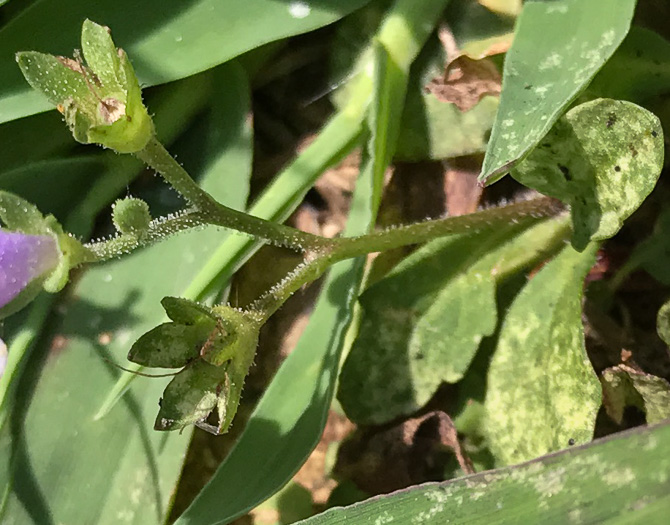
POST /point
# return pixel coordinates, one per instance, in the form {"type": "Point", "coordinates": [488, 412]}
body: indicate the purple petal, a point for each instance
{"type": "Point", "coordinates": [22, 259]}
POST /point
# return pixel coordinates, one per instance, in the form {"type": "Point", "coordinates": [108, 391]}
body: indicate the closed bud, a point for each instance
{"type": "Point", "coordinates": [131, 215]}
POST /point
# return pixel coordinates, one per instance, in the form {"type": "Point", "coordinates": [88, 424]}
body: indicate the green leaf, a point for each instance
{"type": "Point", "coordinates": [422, 324]}
{"type": "Point", "coordinates": [652, 254]}
{"type": "Point", "coordinates": [603, 159]}
{"type": "Point", "coordinates": [166, 43]}
{"type": "Point", "coordinates": [638, 70]}
{"type": "Point", "coordinates": [625, 386]}
{"type": "Point", "coordinates": [597, 483]}
{"type": "Point", "coordinates": [30, 140]}
{"type": "Point", "coordinates": [433, 129]}
{"type": "Point", "coordinates": [558, 48]}
{"type": "Point", "coordinates": [542, 391]}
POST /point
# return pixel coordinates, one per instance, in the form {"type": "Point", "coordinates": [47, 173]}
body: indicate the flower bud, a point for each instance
{"type": "Point", "coordinates": [131, 215]}
{"type": "Point", "coordinates": [215, 346]}
{"type": "Point", "coordinates": [25, 262]}
{"type": "Point", "coordinates": [35, 254]}
{"type": "Point", "coordinates": [100, 100]}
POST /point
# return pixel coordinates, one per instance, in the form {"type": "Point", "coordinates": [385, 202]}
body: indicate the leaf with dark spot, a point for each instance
{"type": "Point", "coordinates": [612, 169]}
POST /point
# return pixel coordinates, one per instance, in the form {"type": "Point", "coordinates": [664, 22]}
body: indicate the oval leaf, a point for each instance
{"type": "Point", "coordinates": [603, 158]}
{"type": "Point", "coordinates": [543, 393]}
{"type": "Point", "coordinates": [423, 323]}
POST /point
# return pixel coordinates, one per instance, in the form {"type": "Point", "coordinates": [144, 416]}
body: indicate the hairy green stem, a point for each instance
{"type": "Point", "coordinates": [158, 229]}
{"type": "Point", "coordinates": [157, 157]}
{"type": "Point", "coordinates": [318, 261]}
{"type": "Point", "coordinates": [384, 240]}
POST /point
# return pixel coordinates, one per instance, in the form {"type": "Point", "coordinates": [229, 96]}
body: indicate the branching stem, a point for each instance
{"type": "Point", "coordinates": [319, 253]}
{"type": "Point", "coordinates": [157, 157]}
{"type": "Point", "coordinates": [318, 261]}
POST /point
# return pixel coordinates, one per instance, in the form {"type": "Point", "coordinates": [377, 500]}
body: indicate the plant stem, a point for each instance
{"type": "Point", "coordinates": [320, 260]}
{"type": "Point", "coordinates": [424, 231]}
{"type": "Point", "coordinates": [157, 157]}
{"type": "Point", "coordinates": [158, 229]}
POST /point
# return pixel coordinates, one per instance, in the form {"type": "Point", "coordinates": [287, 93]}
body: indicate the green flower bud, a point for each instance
{"type": "Point", "coordinates": [100, 100]}
{"type": "Point", "coordinates": [131, 215]}
{"type": "Point", "coordinates": [216, 347]}
{"type": "Point", "coordinates": [35, 253]}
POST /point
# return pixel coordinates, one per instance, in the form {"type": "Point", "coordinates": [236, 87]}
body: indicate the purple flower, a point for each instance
{"type": "Point", "coordinates": [23, 259]}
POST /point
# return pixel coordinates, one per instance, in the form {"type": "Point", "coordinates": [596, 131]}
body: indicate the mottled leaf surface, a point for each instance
{"type": "Point", "coordinates": [542, 391]}
{"type": "Point", "coordinates": [596, 483]}
{"type": "Point", "coordinates": [625, 386]}
{"type": "Point", "coordinates": [423, 323]}
{"type": "Point", "coordinates": [558, 47]}
{"type": "Point", "coordinates": [603, 159]}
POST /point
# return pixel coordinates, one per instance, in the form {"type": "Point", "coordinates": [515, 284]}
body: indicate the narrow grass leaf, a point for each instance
{"type": "Point", "coordinates": [558, 48]}
{"type": "Point", "coordinates": [596, 483]}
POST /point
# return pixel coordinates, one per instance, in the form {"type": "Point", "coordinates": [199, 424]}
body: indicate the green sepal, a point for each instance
{"type": "Point", "coordinates": [18, 214]}
{"type": "Point", "coordinates": [101, 101]}
{"type": "Point", "coordinates": [73, 253]}
{"type": "Point", "coordinates": [194, 329]}
{"type": "Point", "coordinates": [101, 55]}
{"type": "Point", "coordinates": [169, 345]}
{"type": "Point", "coordinates": [242, 336]}
{"type": "Point", "coordinates": [51, 76]}
{"type": "Point", "coordinates": [185, 311]}
{"type": "Point", "coordinates": [192, 395]}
